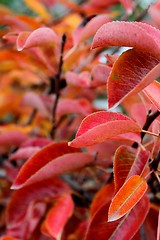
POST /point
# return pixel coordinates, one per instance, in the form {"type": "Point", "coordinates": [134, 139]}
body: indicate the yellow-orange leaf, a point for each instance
{"type": "Point", "coordinates": [38, 8]}
{"type": "Point", "coordinates": [127, 197]}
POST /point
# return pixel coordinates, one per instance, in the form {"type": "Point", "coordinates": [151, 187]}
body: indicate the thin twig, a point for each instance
{"type": "Point", "coordinates": [150, 133]}
{"type": "Point", "coordinates": [31, 117]}
{"type": "Point", "coordinates": [150, 118]}
{"type": "Point", "coordinates": [57, 80]}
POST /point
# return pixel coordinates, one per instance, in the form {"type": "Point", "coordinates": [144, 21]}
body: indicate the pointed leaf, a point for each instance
{"type": "Point", "coordinates": [124, 228]}
{"type": "Point", "coordinates": [133, 221]}
{"type": "Point", "coordinates": [102, 125]}
{"type": "Point", "coordinates": [39, 37]}
{"type": "Point", "coordinates": [130, 34]}
{"type": "Point", "coordinates": [131, 73]}
{"type": "Point", "coordinates": [58, 216]}
{"type": "Point", "coordinates": [84, 31]}
{"type": "Point", "coordinates": [153, 93]}
{"type": "Point", "coordinates": [128, 161]}
{"type": "Point", "coordinates": [126, 198]}
{"type": "Point", "coordinates": [54, 159]}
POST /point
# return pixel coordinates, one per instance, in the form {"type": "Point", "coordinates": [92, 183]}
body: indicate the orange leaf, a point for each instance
{"type": "Point", "coordinates": [6, 237]}
{"type": "Point", "coordinates": [126, 198]}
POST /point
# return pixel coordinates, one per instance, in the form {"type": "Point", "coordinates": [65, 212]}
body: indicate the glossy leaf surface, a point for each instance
{"type": "Point", "coordinates": [129, 34]}
{"type": "Point", "coordinates": [128, 161]}
{"type": "Point", "coordinates": [126, 198]}
{"type": "Point", "coordinates": [100, 126]}
{"type": "Point", "coordinates": [54, 159]}
{"type": "Point", "coordinates": [126, 227]}
{"type": "Point", "coordinates": [131, 73]}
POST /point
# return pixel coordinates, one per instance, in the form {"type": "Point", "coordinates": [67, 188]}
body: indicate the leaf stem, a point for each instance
{"type": "Point", "coordinates": [150, 133]}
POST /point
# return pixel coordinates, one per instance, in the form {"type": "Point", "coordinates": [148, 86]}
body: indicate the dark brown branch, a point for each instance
{"type": "Point", "coordinates": [57, 80]}
{"type": "Point", "coordinates": [31, 117]}
{"type": "Point", "coordinates": [150, 118]}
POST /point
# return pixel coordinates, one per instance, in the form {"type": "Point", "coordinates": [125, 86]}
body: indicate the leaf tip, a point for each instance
{"type": "Point", "coordinates": [114, 217]}
{"type": "Point", "coordinates": [15, 186]}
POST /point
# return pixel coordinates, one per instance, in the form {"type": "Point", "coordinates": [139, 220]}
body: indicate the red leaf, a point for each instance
{"type": "Point", "coordinates": [58, 216]}
{"type": "Point", "coordinates": [102, 125]}
{"type": "Point", "coordinates": [54, 159]}
{"type": "Point", "coordinates": [130, 34]}
{"type": "Point", "coordinates": [154, 12]}
{"type": "Point", "coordinates": [150, 226]}
{"type": "Point", "coordinates": [33, 100]}
{"type": "Point", "coordinates": [99, 74]}
{"type": "Point", "coordinates": [76, 106]}
{"type": "Point", "coordinates": [126, 198]}
{"type": "Point", "coordinates": [124, 228]}
{"type": "Point", "coordinates": [84, 32]}
{"type": "Point", "coordinates": [23, 200]}
{"type": "Point", "coordinates": [29, 222]}
{"type": "Point", "coordinates": [81, 80]}
{"type": "Point", "coordinates": [39, 37]}
{"type": "Point", "coordinates": [24, 153]}
{"type": "Point", "coordinates": [131, 73]}
{"type": "Point", "coordinates": [104, 195]}
{"type": "Point", "coordinates": [132, 222]}
{"type": "Point", "coordinates": [12, 138]}
{"type": "Point", "coordinates": [153, 93]}
{"type": "Point", "coordinates": [128, 161]}
{"type": "Point", "coordinates": [36, 142]}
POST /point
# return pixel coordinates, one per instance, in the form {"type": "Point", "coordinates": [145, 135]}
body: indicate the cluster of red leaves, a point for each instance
{"type": "Point", "coordinates": [104, 183]}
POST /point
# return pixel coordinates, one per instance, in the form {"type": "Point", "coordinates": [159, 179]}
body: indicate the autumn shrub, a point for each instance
{"type": "Point", "coordinates": [79, 120]}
